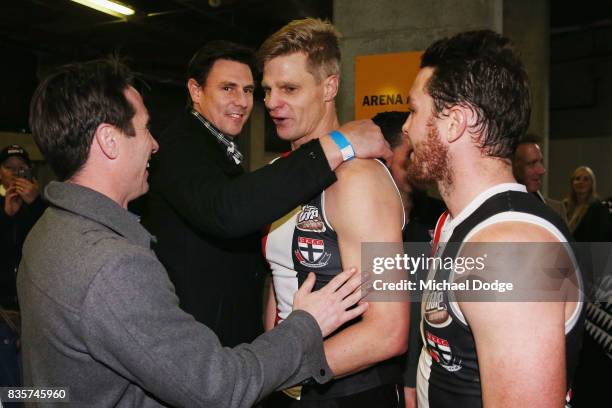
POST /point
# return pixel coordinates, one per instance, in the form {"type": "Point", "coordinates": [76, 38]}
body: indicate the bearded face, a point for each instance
{"type": "Point", "coordinates": [429, 158]}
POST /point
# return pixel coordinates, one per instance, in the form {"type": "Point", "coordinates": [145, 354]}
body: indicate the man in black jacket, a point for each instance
{"type": "Point", "coordinates": [206, 211]}
{"type": "Point", "coordinates": [528, 168]}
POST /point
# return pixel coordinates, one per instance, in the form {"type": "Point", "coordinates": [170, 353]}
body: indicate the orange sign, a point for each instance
{"type": "Point", "coordinates": [382, 82]}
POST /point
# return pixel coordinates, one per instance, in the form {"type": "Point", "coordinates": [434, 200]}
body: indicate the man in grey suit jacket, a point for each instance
{"type": "Point", "coordinates": [100, 315]}
{"type": "Point", "coordinates": [528, 168]}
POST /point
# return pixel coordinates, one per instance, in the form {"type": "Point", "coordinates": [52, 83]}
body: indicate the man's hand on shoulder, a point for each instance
{"type": "Point", "coordinates": [366, 139]}
{"type": "Point", "coordinates": [329, 305]}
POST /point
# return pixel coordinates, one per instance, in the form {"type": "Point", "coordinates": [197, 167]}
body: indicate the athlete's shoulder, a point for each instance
{"type": "Point", "coordinates": [362, 170]}
{"type": "Point", "coordinates": [363, 180]}
{"type": "Point", "coordinates": [363, 187]}
{"type": "Point", "coordinates": [358, 164]}
{"type": "Point", "coordinates": [514, 231]}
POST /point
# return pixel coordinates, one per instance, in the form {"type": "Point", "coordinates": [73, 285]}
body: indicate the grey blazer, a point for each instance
{"type": "Point", "coordinates": [100, 317]}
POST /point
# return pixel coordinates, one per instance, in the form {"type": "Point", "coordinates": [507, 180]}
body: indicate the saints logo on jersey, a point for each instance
{"type": "Point", "coordinates": [311, 252]}
{"type": "Point", "coordinates": [441, 352]}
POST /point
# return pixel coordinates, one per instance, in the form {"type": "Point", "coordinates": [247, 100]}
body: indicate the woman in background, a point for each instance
{"type": "Point", "coordinates": [588, 218]}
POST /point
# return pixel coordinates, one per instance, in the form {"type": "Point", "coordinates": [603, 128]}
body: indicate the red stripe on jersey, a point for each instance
{"type": "Point", "coordinates": [439, 225]}
{"type": "Point", "coordinates": [437, 340]}
{"type": "Point", "coordinates": [313, 241]}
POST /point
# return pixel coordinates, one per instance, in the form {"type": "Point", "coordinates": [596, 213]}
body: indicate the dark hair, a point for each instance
{"type": "Point", "coordinates": [316, 38]}
{"type": "Point", "coordinates": [390, 124]}
{"type": "Point", "coordinates": [480, 70]}
{"type": "Point", "coordinates": [70, 104]}
{"type": "Point", "coordinates": [204, 58]}
{"type": "Point", "coordinates": [529, 138]}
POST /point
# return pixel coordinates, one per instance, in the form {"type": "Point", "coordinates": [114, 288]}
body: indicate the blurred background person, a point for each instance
{"type": "Point", "coordinates": [587, 216]}
{"type": "Point", "coordinates": [528, 168]}
{"type": "Point", "coordinates": [20, 208]}
{"type": "Point", "coordinates": [422, 213]}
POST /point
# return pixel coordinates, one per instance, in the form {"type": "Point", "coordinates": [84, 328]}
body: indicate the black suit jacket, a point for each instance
{"type": "Point", "coordinates": [207, 212]}
{"type": "Point", "coordinates": [13, 232]}
{"type": "Point", "coordinates": [595, 225]}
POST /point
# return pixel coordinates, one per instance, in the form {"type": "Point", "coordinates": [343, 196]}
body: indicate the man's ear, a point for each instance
{"type": "Point", "coordinates": [331, 84]}
{"type": "Point", "coordinates": [195, 90]}
{"type": "Point", "coordinates": [457, 122]}
{"type": "Point", "coordinates": [106, 138]}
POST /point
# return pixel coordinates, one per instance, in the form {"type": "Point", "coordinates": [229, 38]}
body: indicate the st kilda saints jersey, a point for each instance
{"type": "Point", "coordinates": [299, 243]}
{"type": "Point", "coordinates": [448, 373]}
{"type": "Point", "coordinates": [303, 241]}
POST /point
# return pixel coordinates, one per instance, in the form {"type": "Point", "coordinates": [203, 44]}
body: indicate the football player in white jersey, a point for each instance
{"type": "Point", "coordinates": [301, 76]}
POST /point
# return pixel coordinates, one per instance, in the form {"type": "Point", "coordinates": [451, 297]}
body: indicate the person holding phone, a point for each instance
{"type": "Point", "coordinates": [21, 206]}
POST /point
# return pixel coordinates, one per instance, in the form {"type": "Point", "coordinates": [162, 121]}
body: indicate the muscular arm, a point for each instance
{"type": "Point", "coordinates": [521, 345]}
{"type": "Point", "coordinates": [363, 206]}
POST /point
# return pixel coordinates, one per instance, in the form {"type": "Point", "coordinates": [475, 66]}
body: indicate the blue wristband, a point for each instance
{"type": "Point", "coordinates": [346, 148]}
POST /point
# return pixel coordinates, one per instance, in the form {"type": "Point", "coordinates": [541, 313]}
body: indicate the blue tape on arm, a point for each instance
{"type": "Point", "coordinates": [343, 144]}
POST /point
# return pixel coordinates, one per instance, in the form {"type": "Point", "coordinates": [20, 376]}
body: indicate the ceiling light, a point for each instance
{"type": "Point", "coordinates": [108, 7]}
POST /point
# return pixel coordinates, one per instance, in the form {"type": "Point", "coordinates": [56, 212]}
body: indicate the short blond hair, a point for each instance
{"type": "Point", "coordinates": [314, 37]}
